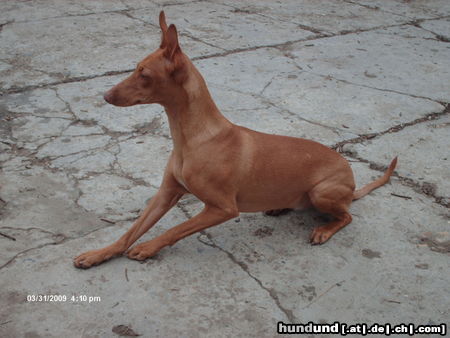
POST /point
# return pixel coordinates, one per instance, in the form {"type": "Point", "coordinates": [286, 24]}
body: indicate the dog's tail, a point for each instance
{"type": "Point", "coordinates": [377, 183]}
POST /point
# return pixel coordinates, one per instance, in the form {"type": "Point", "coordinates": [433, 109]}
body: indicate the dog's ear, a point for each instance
{"type": "Point", "coordinates": [172, 52]}
{"type": "Point", "coordinates": [163, 26]}
{"type": "Point", "coordinates": [171, 43]}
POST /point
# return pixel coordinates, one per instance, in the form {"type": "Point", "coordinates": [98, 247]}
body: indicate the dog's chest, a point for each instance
{"type": "Point", "coordinates": [177, 172]}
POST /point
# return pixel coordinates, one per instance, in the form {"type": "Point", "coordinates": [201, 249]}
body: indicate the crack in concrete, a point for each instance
{"type": "Point", "coordinates": [302, 26]}
{"type": "Point", "coordinates": [5, 23]}
{"type": "Point", "coordinates": [57, 242]}
{"type": "Point", "coordinates": [31, 229]}
{"type": "Point", "coordinates": [438, 37]}
{"type": "Point", "coordinates": [271, 291]}
{"type": "Point", "coordinates": [268, 103]}
{"type": "Point", "coordinates": [328, 76]}
{"type": "Point", "coordinates": [363, 137]}
{"type": "Point", "coordinates": [62, 239]}
{"type": "Point", "coordinates": [267, 85]}
{"type": "Point", "coordinates": [15, 90]}
{"type": "Point", "coordinates": [66, 103]}
{"type": "Point", "coordinates": [335, 130]}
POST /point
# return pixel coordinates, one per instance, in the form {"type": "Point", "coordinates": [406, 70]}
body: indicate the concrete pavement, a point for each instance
{"type": "Point", "coordinates": [370, 78]}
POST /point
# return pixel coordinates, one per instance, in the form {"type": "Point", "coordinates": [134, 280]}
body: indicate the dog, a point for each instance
{"type": "Point", "coordinates": [231, 169]}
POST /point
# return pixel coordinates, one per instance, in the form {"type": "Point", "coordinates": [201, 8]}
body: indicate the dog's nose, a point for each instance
{"type": "Point", "coordinates": [108, 97]}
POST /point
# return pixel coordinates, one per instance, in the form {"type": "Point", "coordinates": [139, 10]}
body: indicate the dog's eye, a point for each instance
{"type": "Point", "coordinates": [145, 73]}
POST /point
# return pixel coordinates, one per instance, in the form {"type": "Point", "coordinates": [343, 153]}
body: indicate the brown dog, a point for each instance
{"type": "Point", "coordinates": [230, 168]}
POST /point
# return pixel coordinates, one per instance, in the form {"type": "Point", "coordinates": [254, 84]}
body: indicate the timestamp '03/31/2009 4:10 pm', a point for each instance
{"type": "Point", "coordinates": [36, 298]}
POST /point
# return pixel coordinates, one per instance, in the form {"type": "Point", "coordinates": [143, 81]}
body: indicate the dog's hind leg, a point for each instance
{"type": "Point", "coordinates": [333, 199]}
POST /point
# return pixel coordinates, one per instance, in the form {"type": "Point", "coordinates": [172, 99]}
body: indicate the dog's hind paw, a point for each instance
{"type": "Point", "coordinates": [320, 235]}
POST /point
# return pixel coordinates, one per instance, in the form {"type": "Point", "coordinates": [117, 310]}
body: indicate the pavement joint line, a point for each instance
{"type": "Point", "coordinates": [271, 291]}
{"type": "Point", "coordinates": [394, 129]}
{"type": "Point", "coordinates": [15, 90]}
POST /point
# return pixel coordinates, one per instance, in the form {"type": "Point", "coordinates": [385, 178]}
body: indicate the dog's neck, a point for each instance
{"type": "Point", "coordinates": [193, 116]}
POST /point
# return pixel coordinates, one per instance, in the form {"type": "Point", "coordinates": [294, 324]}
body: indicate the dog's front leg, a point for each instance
{"type": "Point", "coordinates": [210, 216]}
{"type": "Point", "coordinates": [162, 202]}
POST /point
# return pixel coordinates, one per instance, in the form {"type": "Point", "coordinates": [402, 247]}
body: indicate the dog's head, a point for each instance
{"type": "Point", "coordinates": [157, 78]}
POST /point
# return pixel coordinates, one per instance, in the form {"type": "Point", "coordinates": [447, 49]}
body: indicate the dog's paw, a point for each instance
{"type": "Point", "coordinates": [143, 251]}
{"type": "Point", "coordinates": [320, 235]}
{"type": "Point", "coordinates": [91, 258]}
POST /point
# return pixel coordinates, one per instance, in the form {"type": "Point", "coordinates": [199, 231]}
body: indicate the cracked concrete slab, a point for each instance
{"type": "Point", "coordinates": [403, 59]}
{"type": "Point", "coordinates": [363, 109]}
{"type": "Point", "coordinates": [369, 78]}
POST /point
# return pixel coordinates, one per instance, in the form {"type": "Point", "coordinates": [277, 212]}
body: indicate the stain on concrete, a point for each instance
{"type": "Point", "coordinates": [368, 253]}
{"type": "Point", "coordinates": [438, 241]}
{"type": "Point", "coordinates": [265, 231]}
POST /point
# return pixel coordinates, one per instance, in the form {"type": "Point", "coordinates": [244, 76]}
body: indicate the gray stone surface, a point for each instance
{"type": "Point", "coordinates": [368, 77]}
{"type": "Point", "coordinates": [399, 59]}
